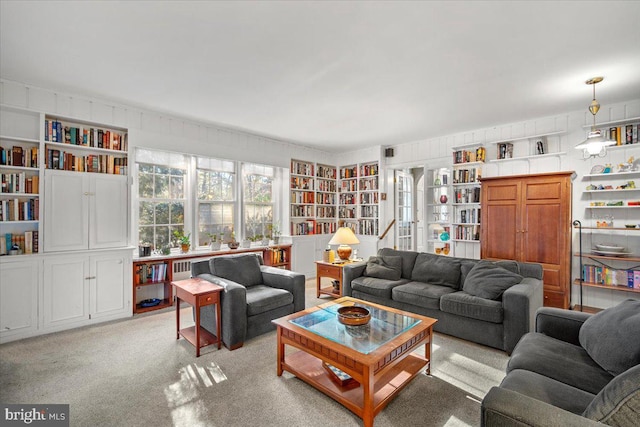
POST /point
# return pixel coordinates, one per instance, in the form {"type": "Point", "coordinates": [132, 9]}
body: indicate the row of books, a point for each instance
{"type": "Point", "coordinates": [19, 210]}
{"type": "Point", "coordinates": [98, 163]}
{"type": "Point", "coordinates": [325, 199]}
{"type": "Point", "coordinates": [347, 199]}
{"type": "Point", "coordinates": [300, 183]}
{"type": "Point", "coordinates": [18, 156]}
{"type": "Point", "coordinates": [326, 227]}
{"type": "Point", "coordinates": [347, 212]}
{"type": "Point", "coordinates": [467, 232]}
{"type": "Point", "coordinates": [56, 131]}
{"type": "Point", "coordinates": [611, 277]}
{"type": "Point", "coordinates": [369, 211]}
{"type": "Point", "coordinates": [624, 135]}
{"type": "Point", "coordinates": [346, 173]}
{"type": "Point", "coordinates": [329, 186]}
{"type": "Point", "coordinates": [302, 196]}
{"type": "Point", "coordinates": [150, 273]}
{"type": "Point", "coordinates": [466, 195]}
{"type": "Point", "coordinates": [326, 211]}
{"type": "Point", "coordinates": [303, 228]}
{"type": "Point", "coordinates": [505, 150]}
{"type": "Point", "coordinates": [25, 243]}
{"type": "Point", "coordinates": [368, 227]}
{"type": "Point", "coordinates": [19, 183]}
{"type": "Point", "coordinates": [301, 168]}
{"type": "Point", "coordinates": [367, 184]}
{"type": "Point", "coordinates": [349, 186]}
{"type": "Point", "coordinates": [468, 216]}
{"type": "Point", "coordinates": [368, 198]}
{"type": "Point", "coordinates": [466, 176]}
{"type": "Point", "coordinates": [278, 256]}
{"type": "Point", "coordinates": [366, 170]}
{"type": "Point", "coordinates": [467, 156]}
{"type": "Point", "coordinates": [326, 172]}
{"type": "Point", "coordinates": [301, 211]}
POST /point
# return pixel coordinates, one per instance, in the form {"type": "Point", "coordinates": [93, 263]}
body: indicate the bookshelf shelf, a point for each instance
{"type": "Point", "coordinates": [610, 287]}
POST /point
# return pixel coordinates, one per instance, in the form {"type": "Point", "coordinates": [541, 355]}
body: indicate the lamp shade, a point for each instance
{"type": "Point", "coordinates": [344, 236]}
{"type": "Point", "coordinates": [594, 143]}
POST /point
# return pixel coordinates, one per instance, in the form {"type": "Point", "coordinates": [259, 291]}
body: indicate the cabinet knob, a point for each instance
{"type": "Point", "coordinates": [90, 277]}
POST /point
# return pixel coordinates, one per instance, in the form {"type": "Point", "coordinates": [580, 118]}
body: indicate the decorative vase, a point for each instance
{"type": "Point", "coordinates": [443, 198]}
{"type": "Point", "coordinates": [215, 246]}
{"type": "Point", "coordinates": [233, 244]}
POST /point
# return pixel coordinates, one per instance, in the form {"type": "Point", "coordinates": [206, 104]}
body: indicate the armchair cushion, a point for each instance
{"type": "Point", "coordinates": [262, 298]}
{"type": "Point", "coordinates": [618, 403]}
{"type": "Point", "coordinates": [244, 270]}
{"type": "Point", "coordinates": [612, 337]}
{"type": "Point", "coordinates": [488, 280]}
{"type": "Point", "coordinates": [384, 267]}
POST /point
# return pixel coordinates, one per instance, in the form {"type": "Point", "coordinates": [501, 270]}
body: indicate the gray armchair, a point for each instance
{"type": "Point", "coordinates": [254, 294]}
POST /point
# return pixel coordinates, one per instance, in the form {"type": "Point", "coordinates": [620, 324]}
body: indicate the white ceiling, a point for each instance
{"type": "Point", "coordinates": [335, 74]}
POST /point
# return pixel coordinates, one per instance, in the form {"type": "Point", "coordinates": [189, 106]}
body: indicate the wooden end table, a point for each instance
{"type": "Point", "coordinates": [333, 271]}
{"type": "Point", "coordinates": [198, 293]}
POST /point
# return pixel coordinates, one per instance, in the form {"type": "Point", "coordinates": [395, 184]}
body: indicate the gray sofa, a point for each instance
{"type": "Point", "coordinates": [254, 294]}
{"type": "Point", "coordinates": [493, 304]}
{"type": "Point", "coordinates": [576, 369]}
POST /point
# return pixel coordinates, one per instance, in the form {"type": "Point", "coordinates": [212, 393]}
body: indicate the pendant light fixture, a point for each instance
{"type": "Point", "coordinates": [595, 144]}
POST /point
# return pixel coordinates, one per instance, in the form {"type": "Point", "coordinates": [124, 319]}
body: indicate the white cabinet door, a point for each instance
{"type": "Point", "coordinates": [110, 294]}
{"type": "Point", "coordinates": [66, 211]}
{"type": "Point", "coordinates": [85, 211]}
{"type": "Point", "coordinates": [109, 222]}
{"type": "Point", "coordinates": [18, 298]}
{"type": "Point", "coordinates": [66, 290]}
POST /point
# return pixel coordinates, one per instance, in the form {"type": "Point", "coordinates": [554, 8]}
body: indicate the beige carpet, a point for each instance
{"type": "Point", "coordinates": [134, 372]}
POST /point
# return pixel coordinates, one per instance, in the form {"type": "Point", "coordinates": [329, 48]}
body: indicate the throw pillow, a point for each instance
{"type": "Point", "coordinates": [618, 403]}
{"type": "Point", "coordinates": [612, 337]}
{"type": "Point", "coordinates": [488, 280]}
{"type": "Point", "coordinates": [437, 270]}
{"type": "Point", "coordinates": [244, 269]}
{"type": "Point", "coordinates": [384, 267]}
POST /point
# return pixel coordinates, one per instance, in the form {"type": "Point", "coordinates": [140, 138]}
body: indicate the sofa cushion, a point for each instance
{"type": "Point", "coordinates": [421, 294]}
{"type": "Point", "coordinates": [548, 390]}
{"type": "Point", "coordinates": [384, 267]}
{"type": "Point", "coordinates": [560, 360]}
{"type": "Point", "coordinates": [612, 336]}
{"type": "Point", "coordinates": [618, 404]}
{"type": "Point", "coordinates": [512, 266]}
{"type": "Point", "coordinates": [261, 299]}
{"type": "Point", "coordinates": [244, 270]}
{"type": "Point", "coordinates": [488, 280]}
{"type": "Point", "coordinates": [408, 259]}
{"type": "Point", "coordinates": [463, 304]}
{"type": "Point", "coordinates": [465, 267]}
{"type": "Point", "coordinates": [437, 270]}
{"type": "Point", "coordinates": [374, 286]}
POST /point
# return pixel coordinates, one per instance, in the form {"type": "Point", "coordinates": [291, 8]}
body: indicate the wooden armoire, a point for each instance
{"type": "Point", "coordinates": [527, 218]}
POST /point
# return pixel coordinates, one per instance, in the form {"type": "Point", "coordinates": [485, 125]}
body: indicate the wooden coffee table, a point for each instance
{"type": "Point", "coordinates": [380, 356]}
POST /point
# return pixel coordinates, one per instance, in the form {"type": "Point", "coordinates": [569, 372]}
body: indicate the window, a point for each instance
{"type": "Point", "coordinates": [258, 200]}
{"type": "Point", "coordinates": [215, 193]}
{"type": "Point", "coordinates": [161, 197]}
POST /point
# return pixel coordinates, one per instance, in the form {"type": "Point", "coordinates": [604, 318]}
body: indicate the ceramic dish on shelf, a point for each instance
{"type": "Point", "coordinates": [630, 225]}
{"type": "Point", "coordinates": [609, 253]}
{"type": "Point", "coordinates": [597, 169]}
{"type": "Point", "coordinates": [608, 247]}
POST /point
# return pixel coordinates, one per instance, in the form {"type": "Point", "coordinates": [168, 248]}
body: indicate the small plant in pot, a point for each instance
{"type": "Point", "coordinates": [233, 243]}
{"type": "Point", "coordinates": [275, 232]}
{"type": "Point", "coordinates": [184, 240]}
{"type": "Point", "coordinates": [215, 243]}
{"type": "Point", "coordinates": [264, 240]}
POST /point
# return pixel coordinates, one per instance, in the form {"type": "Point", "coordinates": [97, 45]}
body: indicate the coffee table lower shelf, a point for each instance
{"type": "Point", "coordinates": [387, 384]}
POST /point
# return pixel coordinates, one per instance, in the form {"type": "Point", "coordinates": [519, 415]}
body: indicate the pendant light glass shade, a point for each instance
{"type": "Point", "coordinates": [595, 144]}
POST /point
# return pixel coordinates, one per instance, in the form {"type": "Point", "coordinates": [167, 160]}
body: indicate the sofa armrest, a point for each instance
{"type": "Point", "coordinates": [287, 280]}
{"type": "Point", "coordinates": [503, 407]}
{"type": "Point", "coordinates": [520, 303]}
{"type": "Point", "coordinates": [350, 272]}
{"type": "Point", "coordinates": [233, 302]}
{"type": "Point", "coordinates": [560, 324]}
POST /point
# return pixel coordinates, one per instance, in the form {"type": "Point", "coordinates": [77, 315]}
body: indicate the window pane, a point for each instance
{"type": "Point", "coordinates": [162, 237]}
{"type": "Point", "coordinates": [177, 213]}
{"type": "Point", "coordinates": [145, 235]}
{"type": "Point", "coordinates": [145, 215]}
{"type": "Point", "coordinates": [161, 187]}
{"type": "Point", "coordinates": [177, 187]}
{"type": "Point", "coordinates": [162, 213]}
{"type": "Point", "coordinates": [145, 185]}
{"type": "Point", "coordinates": [163, 170]}
{"type": "Point", "coordinates": [144, 168]}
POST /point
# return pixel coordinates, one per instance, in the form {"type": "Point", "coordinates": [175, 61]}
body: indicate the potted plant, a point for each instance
{"type": "Point", "coordinates": [274, 227]}
{"type": "Point", "coordinates": [214, 245]}
{"type": "Point", "coordinates": [246, 242]}
{"type": "Point", "coordinates": [184, 240]}
{"type": "Point", "coordinates": [264, 240]}
{"type": "Point", "coordinates": [232, 243]}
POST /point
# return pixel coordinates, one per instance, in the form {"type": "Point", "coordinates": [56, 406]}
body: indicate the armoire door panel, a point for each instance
{"type": "Point", "coordinates": [544, 240]}
{"type": "Point", "coordinates": [502, 192]}
{"type": "Point", "coordinates": [500, 239]}
{"type": "Point", "coordinates": [543, 191]}
{"type": "Point", "coordinates": [552, 278]}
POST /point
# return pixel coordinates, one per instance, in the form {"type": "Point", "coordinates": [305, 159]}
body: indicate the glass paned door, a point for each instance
{"type": "Point", "coordinates": [404, 211]}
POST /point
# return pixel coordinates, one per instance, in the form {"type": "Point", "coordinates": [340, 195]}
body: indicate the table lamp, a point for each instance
{"type": "Point", "coordinates": [344, 237]}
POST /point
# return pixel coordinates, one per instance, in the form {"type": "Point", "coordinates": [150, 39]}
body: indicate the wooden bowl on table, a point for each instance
{"type": "Point", "coordinates": [353, 316]}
